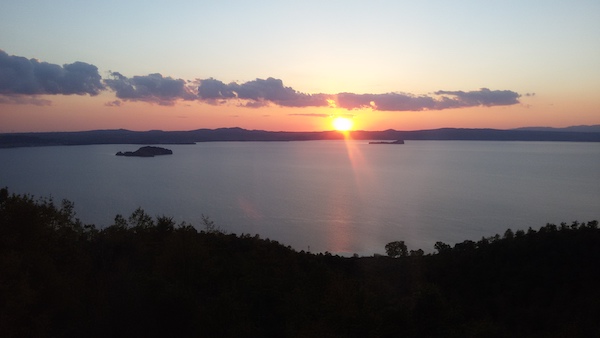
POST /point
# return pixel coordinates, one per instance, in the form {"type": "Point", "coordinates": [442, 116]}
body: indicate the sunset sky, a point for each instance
{"type": "Point", "coordinates": [295, 66]}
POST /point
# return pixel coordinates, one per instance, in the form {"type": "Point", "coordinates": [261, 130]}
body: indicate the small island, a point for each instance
{"type": "Point", "coordinates": [147, 151]}
{"type": "Point", "coordinates": [385, 142]}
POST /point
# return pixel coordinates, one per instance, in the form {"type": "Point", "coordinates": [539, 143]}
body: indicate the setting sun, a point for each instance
{"type": "Point", "coordinates": [342, 123]}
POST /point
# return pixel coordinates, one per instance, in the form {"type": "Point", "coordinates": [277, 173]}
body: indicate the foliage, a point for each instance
{"type": "Point", "coordinates": [441, 247]}
{"type": "Point", "coordinates": [396, 249]}
{"type": "Point", "coordinates": [147, 276]}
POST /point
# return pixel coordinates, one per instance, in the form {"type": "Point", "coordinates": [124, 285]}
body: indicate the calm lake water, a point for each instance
{"type": "Point", "coordinates": [336, 196]}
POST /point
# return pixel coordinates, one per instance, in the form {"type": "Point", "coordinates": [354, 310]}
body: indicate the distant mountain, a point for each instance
{"type": "Point", "coordinates": [581, 129]}
{"type": "Point", "coordinates": [122, 136]}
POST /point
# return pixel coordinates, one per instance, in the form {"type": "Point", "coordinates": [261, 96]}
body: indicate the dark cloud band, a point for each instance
{"type": "Point", "coordinates": [152, 88]}
{"type": "Point", "coordinates": [482, 97]}
{"type": "Point", "coordinates": [262, 92]}
{"type": "Point", "coordinates": [21, 76]}
{"type": "Point", "coordinates": [266, 91]}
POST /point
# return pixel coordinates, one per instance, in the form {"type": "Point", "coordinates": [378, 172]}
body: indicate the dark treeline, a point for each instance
{"type": "Point", "coordinates": [147, 276]}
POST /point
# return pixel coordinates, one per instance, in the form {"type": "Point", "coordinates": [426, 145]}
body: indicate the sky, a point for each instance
{"type": "Point", "coordinates": [297, 65]}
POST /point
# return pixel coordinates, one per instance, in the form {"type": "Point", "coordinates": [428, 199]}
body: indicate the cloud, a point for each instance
{"type": "Point", "coordinates": [115, 103]}
{"type": "Point", "coordinates": [442, 100]}
{"type": "Point", "coordinates": [211, 89]}
{"type": "Point", "coordinates": [22, 76]}
{"type": "Point", "coordinates": [385, 102]}
{"type": "Point", "coordinates": [310, 115]}
{"type": "Point", "coordinates": [259, 93]}
{"type": "Point", "coordinates": [152, 88]}
{"type": "Point", "coordinates": [482, 97]}
{"type": "Point", "coordinates": [20, 99]}
{"type": "Point", "coordinates": [255, 104]}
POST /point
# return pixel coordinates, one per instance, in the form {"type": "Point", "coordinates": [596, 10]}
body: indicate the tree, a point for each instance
{"type": "Point", "coordinates": [140, 220]}
{"type": "Point", "coordinates": [466, 246]}
{"type": "Point", "coordinates": [165, 224]}
{"type": "Point", "coordinates": [442, 247]}
{"type": "Point", "coordinates": [210, 227]}
{"type": "Point", "coordinates": [396, 249]}
{"type": "Point", "coordinates": [417, 253]}
{"type": "Point", "coordinates": [509, 234]}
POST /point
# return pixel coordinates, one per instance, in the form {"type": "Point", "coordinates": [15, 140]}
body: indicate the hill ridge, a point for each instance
{"type": "Point", "coordinates": [123, 136]}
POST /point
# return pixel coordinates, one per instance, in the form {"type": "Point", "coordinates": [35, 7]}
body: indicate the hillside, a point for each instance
{"type": "Point", "coordinates": [145, 276]}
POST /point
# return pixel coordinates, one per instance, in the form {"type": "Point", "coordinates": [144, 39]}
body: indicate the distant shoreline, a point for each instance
{"type": "Point", "coordinates": [122, 136]}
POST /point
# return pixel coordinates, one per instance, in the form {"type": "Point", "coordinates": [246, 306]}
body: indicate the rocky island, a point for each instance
{"type": "Point", "coordinates": [146, 152]}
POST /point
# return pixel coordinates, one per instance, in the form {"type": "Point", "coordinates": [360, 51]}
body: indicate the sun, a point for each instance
{"type": "Point", "coordinates": [342, 123]}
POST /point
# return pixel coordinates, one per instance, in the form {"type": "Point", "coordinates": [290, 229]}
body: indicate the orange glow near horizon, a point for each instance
{"type": "Point", "coordinates": [79, 113]}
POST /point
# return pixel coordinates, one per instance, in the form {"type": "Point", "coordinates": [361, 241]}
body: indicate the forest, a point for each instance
{"type": "Point", "coordinates": [147, 276]}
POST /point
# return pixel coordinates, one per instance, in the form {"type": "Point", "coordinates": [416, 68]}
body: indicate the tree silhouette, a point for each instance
{"type": "Point", "coordinates": [147, 276]}
{"type": "Point", "coordinates": [442, 247]}
{"type": "Point", "coordinates": [396, 249]}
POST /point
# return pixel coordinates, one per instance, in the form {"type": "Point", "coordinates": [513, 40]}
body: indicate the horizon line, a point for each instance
{"type": "Point", "coordinates": [531, 128]}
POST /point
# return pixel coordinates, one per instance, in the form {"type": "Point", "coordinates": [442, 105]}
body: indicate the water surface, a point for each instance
{"type": "Point", "coordinates": [336, 196]}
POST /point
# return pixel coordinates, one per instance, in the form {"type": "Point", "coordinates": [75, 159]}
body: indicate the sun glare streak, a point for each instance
{"type": "Point", "coordinates": [360, 167]}
{"type": "Point", "coordinates": [340, 235]}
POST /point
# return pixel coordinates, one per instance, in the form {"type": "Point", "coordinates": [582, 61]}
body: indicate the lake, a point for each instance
{"type": "Point", "coordinates": [339, 196]}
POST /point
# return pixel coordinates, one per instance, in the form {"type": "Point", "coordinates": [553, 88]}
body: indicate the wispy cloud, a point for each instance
{"type": "Point", "coordinates": [310, 115]}
{"type": "Point", "coordinates": [322, 115]}
{"type": "Point", "coordinates": [21, 77]}
{"type": "Point", "coordinates": [20, 99]}
{"type": "Point", "coordinates": [115, 103]}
